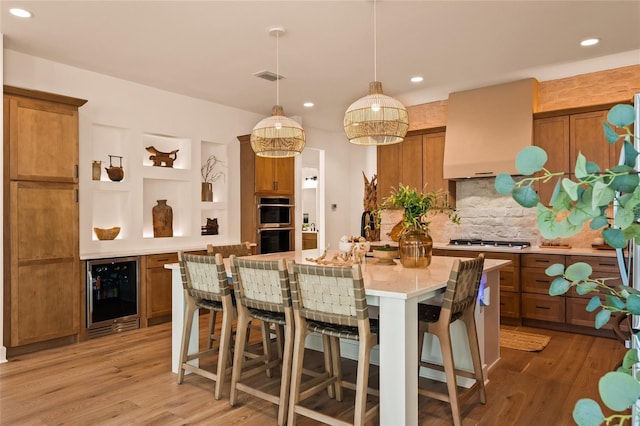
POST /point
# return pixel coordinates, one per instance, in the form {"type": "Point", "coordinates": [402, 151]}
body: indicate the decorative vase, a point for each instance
{"type": "Point", "coordinates": [415, 247]}
{"type": "Point", "coordinates": [96, 170]}
{"type": "Point", "coordinates": [207, 191]}
{"type": "Point", "coordinates": [162, 219]}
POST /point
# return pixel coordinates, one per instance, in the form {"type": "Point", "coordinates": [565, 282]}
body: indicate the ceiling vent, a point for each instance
{"type": "Point", "coordinates": [268, 75]}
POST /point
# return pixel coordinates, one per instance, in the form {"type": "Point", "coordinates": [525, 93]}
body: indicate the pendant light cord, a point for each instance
{"type": "Point", "coordinates": [375, 44]}
{"type": "Point", "coordinates": [278, 68]}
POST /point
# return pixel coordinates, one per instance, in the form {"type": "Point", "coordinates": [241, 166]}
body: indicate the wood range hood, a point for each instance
{"type": "Point", "coordinates": [487, 127]}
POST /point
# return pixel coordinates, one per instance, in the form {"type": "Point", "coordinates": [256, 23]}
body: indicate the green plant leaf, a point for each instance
{"type": "Point", "coordinates": [602, 318]}
{"type": "Point", "coordinates": [621, 115]}
{"type": "Point", "coordinates": [578, 271]}
{"type": "Point", "coordinates": [602, 194]}
{"type": "Point", "coordinates": [630, 154]}
{"type": "Point", "coordinates": [610, 134]}
{"type": "Point", "coordinates": [625, 183]}
{"type": "Point", "coordinates": [526, 196]}
{"type": "Point", "coordinates": [618, 391]}
{"type": "Point", "coordinates": [530, 160]}
{"type": "Point", "coordinates": [504, 183]}
{"type": "Point", "coordinates": [599, 222]}
{"type": "Point", "coordinates": [586, 288]}
{"type": "Point", "coordinates": [624, 217]}
{"type": "Point", "coordinates": [581, 166]}
{"type": "Point", "coordinates": [632, 231]}
{"type": "Point", "coordinates": [614, 301]}
{"type": "Point", "coordinates": [630, 358]}
{"type": "Point", "coordinates": [560, 200]}
{"type": "Point", "coordinates": [633, 304]}
{"type": "Point", "coordinates": [587, 412]}
{"type": "Point", "coordinates": [592, 167]}
{"type": "Point", "coordinates": [593, 304]}
{"type": "Point", "coordinates": [571, 188]}
{"type": "Point", "coordinates": [555, 269]}
{"type": "Point", "coordinates": [614, 237]}
{"type": "Point", "coordinates": [581, 213]}
{"type": "Point", "coordinates": [559, 286]}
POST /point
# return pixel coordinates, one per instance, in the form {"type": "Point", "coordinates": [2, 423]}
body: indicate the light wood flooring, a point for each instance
{"type": "Point", "coordinates": [126, 379]}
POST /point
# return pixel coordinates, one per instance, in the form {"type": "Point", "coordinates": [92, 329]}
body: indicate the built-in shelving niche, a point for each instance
{"type": "Point", "coordinates": [217, 207]}
{"type": "Point", "coordinates": [178, 195]}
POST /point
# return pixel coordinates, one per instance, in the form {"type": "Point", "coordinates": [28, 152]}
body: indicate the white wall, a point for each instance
{"type": "Point", "coordinates": [3, 349]}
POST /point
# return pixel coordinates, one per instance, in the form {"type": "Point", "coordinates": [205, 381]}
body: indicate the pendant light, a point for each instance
{"type": "Point", "coordinates": [278, 135]}
{"type": "Point", "coordinates": [376, 119]}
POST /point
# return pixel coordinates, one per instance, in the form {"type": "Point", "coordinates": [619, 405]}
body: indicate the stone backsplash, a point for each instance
{"type": "Point", "coordinates": [487, 215]}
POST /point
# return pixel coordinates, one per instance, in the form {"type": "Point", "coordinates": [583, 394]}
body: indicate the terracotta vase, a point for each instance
{"type": "Point", "coordinates": [415, 247]}
{"type": "Point", "coordinates": [207, 191]}
{"type": "Point", "coordinates": [162, 219]}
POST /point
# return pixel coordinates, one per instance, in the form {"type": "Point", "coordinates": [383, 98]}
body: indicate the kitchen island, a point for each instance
{"type": "Point", "coordinates": [397, 291]}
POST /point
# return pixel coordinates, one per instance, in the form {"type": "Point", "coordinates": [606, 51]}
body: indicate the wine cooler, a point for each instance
{"type": "Point", "coordinates": [113, 292]}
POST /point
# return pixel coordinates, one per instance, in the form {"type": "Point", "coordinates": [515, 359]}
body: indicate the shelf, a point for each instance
{"type": "Point", "coordinates": [166, 173]}
{"type": "Point", "coordinates": [178, 195]}
{"type": "Point", "coordinates": [109, 140]}
{"type": "Point", "coordinates": [221, 169]}
{"type": "Point", "coordinates": [111, 208]}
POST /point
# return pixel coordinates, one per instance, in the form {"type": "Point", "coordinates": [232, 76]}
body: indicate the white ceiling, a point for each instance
{"type": "Point", "coordinates": [210, 49]}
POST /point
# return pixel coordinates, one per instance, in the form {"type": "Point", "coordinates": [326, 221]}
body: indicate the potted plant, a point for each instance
{"type": "Point", "coordinates": [589, 198]}
{"type": "Point", "coordinates": [209, 176]}
{"type": "Point", "coordinates": [415, 244]}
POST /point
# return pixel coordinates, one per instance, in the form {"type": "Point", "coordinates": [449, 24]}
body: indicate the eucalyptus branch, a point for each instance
{"type": "Point", "coordinates": [618, 417]}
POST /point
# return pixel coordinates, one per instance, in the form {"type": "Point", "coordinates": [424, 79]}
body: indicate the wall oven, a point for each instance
{"type": "Point", "coordinates": [274, 224]}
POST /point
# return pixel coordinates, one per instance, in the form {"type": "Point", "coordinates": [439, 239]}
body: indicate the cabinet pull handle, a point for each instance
{"type": "Point", "coordinates": [77, 196]}
{"type": "Point", "coordinates": [606, 264]}
{"type": "Point", "coordinates": [542, 307]}
{"type": "Point", "coordinates": [163, 260]}
{"type": "Point", "coordinates": [77, 171]}
{"type": "Point", "coordinates": [541, 261]}
{"type": "Point", "coordinates": [542, 281]}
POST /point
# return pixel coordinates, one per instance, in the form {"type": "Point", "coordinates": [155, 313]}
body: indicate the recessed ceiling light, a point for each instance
{"type": "Point", "coordinates": [590, 42]}
{"type": "Point", "coordinates": [416, 79]}
{"type": "Point", "coordinates": [308, 104]}
{"type": "Point", "coordinates": [20, 13]}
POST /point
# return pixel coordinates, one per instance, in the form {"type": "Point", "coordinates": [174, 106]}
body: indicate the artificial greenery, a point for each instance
{"type": "Point", "coordinates": [419, 206]}
{"type": "Point", "coordinates": [589, 198]}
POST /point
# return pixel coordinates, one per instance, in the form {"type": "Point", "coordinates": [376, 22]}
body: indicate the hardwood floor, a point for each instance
{"type": "Point", "coordinates": [126, 379]}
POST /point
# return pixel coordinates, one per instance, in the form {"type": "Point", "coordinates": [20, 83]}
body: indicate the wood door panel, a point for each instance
{"type": "Point", "coordinates": [587, 137]}
{"type": "Point", "coordinates": [158, 292]}
{"type": "Point", "coordinates": [552, 135]}
{"type": "Point", "coordinates": [411, 162]}
{"type": "Point", "coordinates": [389, 159]}
{"type": "Point", "coordinates": [433, 147]}
{"type": "Point", "coordinates": [41, 213]}
{"type": "Point", "coordinates": [283, 177]}
{"type": "Point", "coordinates": [265, 171]}
{"type": "Point", "coordinates": [44, 302]}
{"type": "Point", "coordinates": [43, 141]}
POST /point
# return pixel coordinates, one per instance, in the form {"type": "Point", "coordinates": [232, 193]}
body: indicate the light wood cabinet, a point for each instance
{"type": "Point", "coordinates": [274, 175]}
{"type": "Point", "coordinates": [309, 240]}
{"type": "Point", "coordinates": [552, 135]}
{"type": "Point", "coordinates": [42, 266]}
{"type": "Point", "coordinates": [158, 287]}
{"type": "Point", "coordinates": [537, 304]}
{"type": "Point", "coordinates": [587, 137]}
{"type": "Point", "coordinates": [416, 162]}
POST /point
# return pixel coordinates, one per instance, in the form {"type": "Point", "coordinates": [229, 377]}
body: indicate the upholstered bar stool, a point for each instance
{"type": "Point", "coordinates": [458, 304]}
{"type": "Point", "coordinates": [206, 286]}
{"type": "Point", "coordinates": [330, 301]}
{"type": "Point", "coordinates": [262, 292]}
{"type": "Point", "coordinates": [241, 249]}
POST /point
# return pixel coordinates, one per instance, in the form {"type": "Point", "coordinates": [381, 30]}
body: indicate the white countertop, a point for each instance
{"type": "Point", "coordinates": [574, 251]}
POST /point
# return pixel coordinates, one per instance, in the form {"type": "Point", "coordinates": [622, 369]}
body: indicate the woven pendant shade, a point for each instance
{"type": "Point", "coordinates": [277, 136]}
{"type": "Point", "coordinates": [376, 119]}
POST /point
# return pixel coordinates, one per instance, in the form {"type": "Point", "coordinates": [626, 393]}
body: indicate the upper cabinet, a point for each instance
{"type": "Point", "coordinates": [416, 162]}
{"type": "Point", "coordinates": [39, 132]}
{"type": "Point", "coordinates": [274, 175]}
{"type": "Point", "coordinates": [564, 136]}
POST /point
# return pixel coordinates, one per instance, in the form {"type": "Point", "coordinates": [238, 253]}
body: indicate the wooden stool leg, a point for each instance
{"type": "Point", "coordinates": [449, 369]}
{"type": "Point", "coordinates": [474, 347]}
{"type": "Point", "coordinates": [335, 366]}
{"type": "Point", "coordinates": [296, 371]}
{"type": "Point", "coordinates": [285, 384]}
{"type": "Point", "coordinates": [223, 352]}
{"type": "Point", "coordinates": [238, 355]}
{"type": "Point", "coordinates": [212, 328]}
{"type": "Point", "coordinates": [190, 309]}
{"type": "Point", "coordinates": [362, 383]}
{"type": "Point", "coordinates": [266, 344]}
{"type": "Point", "coordinates": [328, 368]}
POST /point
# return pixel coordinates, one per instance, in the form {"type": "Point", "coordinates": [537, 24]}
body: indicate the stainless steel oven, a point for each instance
{"type": "Point", "coordinates": [275, 224]}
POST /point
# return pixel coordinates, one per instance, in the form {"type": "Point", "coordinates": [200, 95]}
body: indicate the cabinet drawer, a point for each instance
{"type": "Point", "coordinates": [541, 260]}
{"type": "Point", "coordinates": [508, 280]}
{"type": "Point", "coordinates": [534, 280]}
{"type": "Point", "coordinates": [577, 315]}
{"type": "Point", "coordinates": [598, 263]}
{"type": "Point", "coordinates": [509, 304]}
{"type": "Point", "coordinates": [615, 281]}
{"type": "Point", "coordinates": [159, 260]}
{"type": "Point", "coordinates": [542, 307]}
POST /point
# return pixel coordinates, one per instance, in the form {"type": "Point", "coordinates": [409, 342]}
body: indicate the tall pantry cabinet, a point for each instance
{"type": "Point", "coordinates": [41, 262]}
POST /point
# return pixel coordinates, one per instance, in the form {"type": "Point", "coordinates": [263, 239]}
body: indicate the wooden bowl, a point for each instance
{"type": "Point", "coordinates": [385, 255]}
{"type": "Point", "coordinates": [107, 233]}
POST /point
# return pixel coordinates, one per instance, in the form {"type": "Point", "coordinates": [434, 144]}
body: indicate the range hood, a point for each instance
{"type": "Point", "coordinates": [487, 127]}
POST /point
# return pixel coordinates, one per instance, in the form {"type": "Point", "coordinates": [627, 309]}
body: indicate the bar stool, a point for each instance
{"type": "Point", "coordinates": [205, 286]}
{"type": "Point", "coordinates": [262, 292]}
{"type": "Point", "coordinates": [330, 301]}
{"type": "Point", "coordinates": [458, 304]}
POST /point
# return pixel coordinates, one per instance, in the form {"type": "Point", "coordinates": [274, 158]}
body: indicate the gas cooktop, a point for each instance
{"type": "Point", "coordinates": [490, 243]}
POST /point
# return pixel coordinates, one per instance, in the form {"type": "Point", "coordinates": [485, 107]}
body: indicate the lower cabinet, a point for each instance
{"type": "Point", "coordinates": [158, 287]}
{"type": "Point", "coordinates": [536, 302]}
{"type": "Point", "coordinates": [309, 240]}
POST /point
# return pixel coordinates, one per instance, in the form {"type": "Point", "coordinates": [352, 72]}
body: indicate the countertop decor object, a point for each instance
{"type": "Point", "coordinates": [107, 233]}
{"type": "Point", "coordinates": [385, 254]}
{"type": "Point", "coordinates": [162, 159]}
{"type": "Point", "coordinates": [210, 175]}
{"type": "Point", "coordinates": [415, 245]}
{"type": "Point", "coordinates": [96, 170]}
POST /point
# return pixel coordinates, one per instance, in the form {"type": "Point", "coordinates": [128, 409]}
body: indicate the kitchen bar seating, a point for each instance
{"type": "Point", "coordinates": [205, 283]}
{"type": "Point", "coordinates": [330, 301]}
{"type": "Point", "coordinates": [262, 292]}
{"type": "Point", "coordinates": [458, 304]}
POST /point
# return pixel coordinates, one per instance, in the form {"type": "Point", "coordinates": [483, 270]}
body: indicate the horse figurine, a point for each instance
{"type": "Point", "coordinates": [163, 159]}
